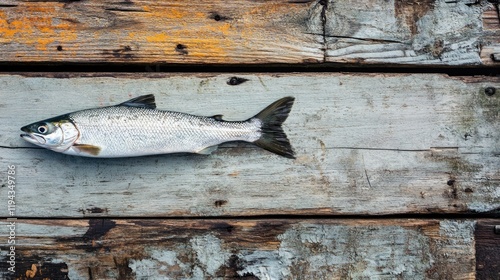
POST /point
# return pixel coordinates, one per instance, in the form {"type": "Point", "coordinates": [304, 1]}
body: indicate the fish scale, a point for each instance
{"type": "Point", "coordinates": [154, 131]}
{"type": "Point", "coordinates": [136, 128]}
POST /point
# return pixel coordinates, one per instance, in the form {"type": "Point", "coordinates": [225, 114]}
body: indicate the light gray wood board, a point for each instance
{"type": "Point", "coordinates": [252, 249]}
{"type": "Point", "coordinates": [411, 32]}
{"type": "Point", "coordinates": [366, 144]}
{"type": "Point", "coordinates": [357, 33]}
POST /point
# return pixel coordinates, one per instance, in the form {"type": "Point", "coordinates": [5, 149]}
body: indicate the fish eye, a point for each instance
{"type": "Point", "coordinates": [43, 129]}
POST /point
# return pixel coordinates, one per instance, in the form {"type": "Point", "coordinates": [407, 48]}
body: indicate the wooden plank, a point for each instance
{"type": "Point", "coordinates": [219, 32]}
{"type": "Point", "coordinates": [490, 52]}
{"type": "Point", "coordinates": [411, 32]}
{"type": "Point", "coordinates": [247, 32]}
{"type": "Point", "coordinates": [366, 144]}
{"type": "Point", "coordinates": [252, 249]}
{"type": "Point", "coordinates": [487, 235]}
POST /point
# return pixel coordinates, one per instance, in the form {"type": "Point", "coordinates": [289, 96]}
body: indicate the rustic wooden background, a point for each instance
{"type": "Point", "coordinates": [398, 159]}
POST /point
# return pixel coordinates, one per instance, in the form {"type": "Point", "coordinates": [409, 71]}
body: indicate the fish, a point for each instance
{"type": "Point", "coordinates": [137, 128]}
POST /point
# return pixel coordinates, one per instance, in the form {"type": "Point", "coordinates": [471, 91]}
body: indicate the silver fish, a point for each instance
{"type": "Point", "coordinates": [136, 128]}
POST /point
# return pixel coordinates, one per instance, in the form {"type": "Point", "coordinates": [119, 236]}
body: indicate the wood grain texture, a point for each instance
{"type": "Point", "coordinates": [250, 32]}
{"type": "Point", "coordinates": [487, 248]}
{"type": "Point", "coordinates": [218, 32]}
{"type": "Point", "coordinates": [366, 145]}
{"type": "Point", "coordinates": [251, 249]}
{"type": "Point", "coordinates": [410, 32]}
{"type": "Point", "coordinates": [490, 51]}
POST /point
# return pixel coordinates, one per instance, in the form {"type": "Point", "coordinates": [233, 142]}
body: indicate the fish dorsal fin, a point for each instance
{"type": "Point", "coordinates": [217, 117]}
{"type": "Point", "coordinates": [143, 101]}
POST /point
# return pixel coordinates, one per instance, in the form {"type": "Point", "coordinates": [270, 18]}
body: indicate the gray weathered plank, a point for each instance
{"type": "Point", "coordinates": [366, 144]}
{"type": "Point", "coordinates": [225, 249]}
{"type": "Point", "coordinates": [412, 32]}
{"type": "Point", "coordinates": [430, 32]}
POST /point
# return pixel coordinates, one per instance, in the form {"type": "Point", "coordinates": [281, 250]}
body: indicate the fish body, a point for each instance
{"type": "Point", "coordinates": [137, 128]}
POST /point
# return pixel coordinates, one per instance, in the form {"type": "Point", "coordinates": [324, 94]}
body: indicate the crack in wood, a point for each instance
{"type": "Point", "coordinates": [393, 149]}
{"type": "Point", "coordinates": [120, 9]}
{"type": "Point", "coordinates": [363, 39]}
{"type": "Point", "coordinates": [300, 1]}
{"type": "Point", "coordinates": [324, 21]}
{"type": "Point", "coordinates": [497, 9]}
{"type": "Point", "coordinates": [14, 148]}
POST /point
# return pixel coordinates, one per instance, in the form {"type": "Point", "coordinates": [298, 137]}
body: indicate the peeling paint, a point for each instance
{"type": "Point", "coordinates": [405, 32]}
{"type": "Point", "coordinates": [457, 232]}
{"type": "Point", "coordinates": [265, 265]}
{"type": "Point", "coordinates": [406, 254]}
{"type": "Point", "coordinates": [209, 252]}
{"type": "Point", "coordinates": [312, 251]}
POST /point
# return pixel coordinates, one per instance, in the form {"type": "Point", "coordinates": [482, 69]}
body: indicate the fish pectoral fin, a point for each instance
{"type": "Point", "coordinates": [143, 101]}
{"type": "Point", "coordinates": [89, 149]}
{"type": "Point", "coordinates": [207, 150]}
{"type": "Point", "coordinates": [217, 117]}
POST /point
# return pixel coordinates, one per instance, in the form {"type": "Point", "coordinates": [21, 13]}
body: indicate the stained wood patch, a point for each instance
{"type": "Point", "coordinates": [256, 32]}
{"type": "Point", "coordinates": [487, 236]}
{"type": "Point", "coordinates": [265, 249]}
{"type": "Point", "coordinates": [365, 144]}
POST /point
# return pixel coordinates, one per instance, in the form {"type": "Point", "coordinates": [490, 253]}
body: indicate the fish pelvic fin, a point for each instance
{"type": "Point", "coordinates": [273, 137]}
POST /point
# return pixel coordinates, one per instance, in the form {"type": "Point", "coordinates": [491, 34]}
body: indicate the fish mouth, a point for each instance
{"type": "Point", "coordinates": [32, 138]}
{"type": "Point", "coordinates": [29, 138]}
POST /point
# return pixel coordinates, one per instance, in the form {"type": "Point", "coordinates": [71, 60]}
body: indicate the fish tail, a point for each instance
{"type": "Point", "coordinates": [273, 137]}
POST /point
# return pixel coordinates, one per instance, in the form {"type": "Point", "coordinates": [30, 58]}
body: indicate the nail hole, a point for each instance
{"type": "Point", "coordinates": [59, 48]}
{"type": "Point", "coordinates": [490, 91]}
{"type": "Point", "coordinates": [181, 48]}
{"type": "Point", "coordinates": [217, 17]}
{"type": "Point", "coordinates": [220, 203]}
{"type": "Point", "coordinates": [234, 81]}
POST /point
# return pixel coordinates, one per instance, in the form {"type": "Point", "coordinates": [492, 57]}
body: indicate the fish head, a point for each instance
{"type": "Point", "coordinates": [57, 134]}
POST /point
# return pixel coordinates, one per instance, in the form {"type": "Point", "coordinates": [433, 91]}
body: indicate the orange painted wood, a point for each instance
{"type": "Point", "coordinates": [219, 32]}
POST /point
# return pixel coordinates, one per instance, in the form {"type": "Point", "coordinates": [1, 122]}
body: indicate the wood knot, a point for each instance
{"type": "Point", "coordinates": [182, 49]}
{"type": "Point", "coordinates": [220, 203]}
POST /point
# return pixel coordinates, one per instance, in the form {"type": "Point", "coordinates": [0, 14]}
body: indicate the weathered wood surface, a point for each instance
{"type": "Point", "coordinates": [251, 249]}
{"type": "Point", "coordinates": [234, 32]}
{"type": "Point", "coordinates": [366, 145]}
{"type": "Point", "coordinates": [487, 235]}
